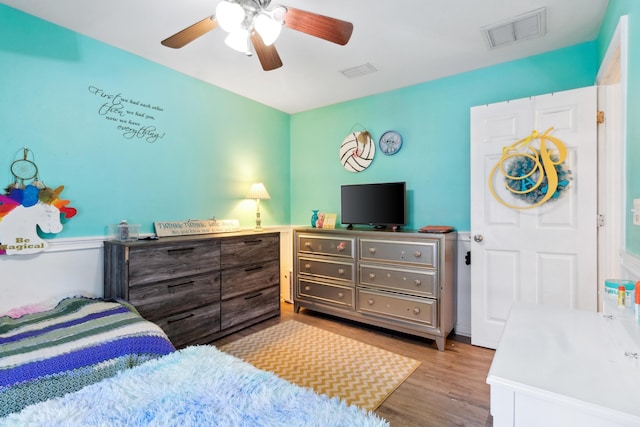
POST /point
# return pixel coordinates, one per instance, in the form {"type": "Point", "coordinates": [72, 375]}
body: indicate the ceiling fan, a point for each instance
{"type": "Point", "coordinates": [260, 23]}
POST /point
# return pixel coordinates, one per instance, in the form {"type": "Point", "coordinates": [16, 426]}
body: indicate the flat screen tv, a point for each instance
{"type": "Point", "coordinates": [380, 205]}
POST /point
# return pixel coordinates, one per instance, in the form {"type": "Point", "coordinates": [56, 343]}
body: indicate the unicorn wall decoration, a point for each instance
{"type": "Point", "coordinates": [25, 210]}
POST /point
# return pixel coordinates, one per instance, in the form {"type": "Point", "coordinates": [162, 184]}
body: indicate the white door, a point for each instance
{"type": "Point", "coordinates": [545, 254]}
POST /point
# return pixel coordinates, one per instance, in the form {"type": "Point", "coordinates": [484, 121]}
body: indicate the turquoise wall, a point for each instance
{"type": "Point", "coordinates": [433, 119]}
{"type": "Point", "coordinates": [77, 104]}
{"type": "Point", "coordinates": [207, 154]}
{"type": "Point", "coordinates": [616, 9]}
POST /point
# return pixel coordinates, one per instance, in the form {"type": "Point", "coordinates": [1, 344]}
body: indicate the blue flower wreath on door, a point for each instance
{"type": "Point", "coordinates": [524, 188]}
{"type": "Point", "coordinates": [535, 175]}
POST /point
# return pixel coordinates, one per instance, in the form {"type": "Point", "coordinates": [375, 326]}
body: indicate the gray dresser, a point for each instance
{"type": "Point", "coordinates": [197, 288]}
{"type": "Point", "coordinates": [402, 281]}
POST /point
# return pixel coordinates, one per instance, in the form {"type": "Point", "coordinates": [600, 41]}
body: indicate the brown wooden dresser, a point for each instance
{"type": "Point", "coordinates": [197, 288]}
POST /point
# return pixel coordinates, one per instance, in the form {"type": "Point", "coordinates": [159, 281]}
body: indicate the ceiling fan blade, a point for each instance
{"type": "Point", "coordinates": [189, 34]}
{"type": "Point", "coordinates": [268, 55]}
{"type": "Point", "coordinates": [324, 27]}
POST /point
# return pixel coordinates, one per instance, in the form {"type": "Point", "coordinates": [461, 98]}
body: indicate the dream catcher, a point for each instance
{"type": "Point", "coordinates": [533, 173]}
{"type": "Point", "coordinates": [23, 171]}
{"type": "Point", "coordinates": [27, 189]}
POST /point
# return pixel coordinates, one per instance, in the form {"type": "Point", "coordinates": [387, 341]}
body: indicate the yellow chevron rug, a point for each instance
{"type": "Point", "coordinates": [328, 363]}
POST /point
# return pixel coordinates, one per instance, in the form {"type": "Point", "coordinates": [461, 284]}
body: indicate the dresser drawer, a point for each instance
{"type": "Point", "coordinates": [192, 326]}
{"type": "Point", "coordinates": [241, 309]}
{"type": "Point", "coordinates": [423, 253]}
{"type": "Point", "coordinates": [249, 250]}
{"type": "Point", "coordinates": [175, 296]}
{"type": "Point", "coordinates": [407, 280]}
{"type": "Point", "coordinates": [251, 278]}
{"type": "Point", "coordinates": [336, 246]}
{"type": "Point", "coordinates": [340, 295]}
{"type": "Point", "coordinates": [327, 268]}
{"type": "Point", "coordinates": [424, 311]}
{"type": "Point", "coordinates": [151, 264]}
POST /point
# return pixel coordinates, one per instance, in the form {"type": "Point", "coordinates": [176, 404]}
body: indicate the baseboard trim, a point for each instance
{"type": "Point", "coordinates": [74, 244]}
{"type": "Point", "coordinates": [97, 242]}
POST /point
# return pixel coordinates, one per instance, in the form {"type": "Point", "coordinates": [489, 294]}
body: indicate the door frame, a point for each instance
{"type": "Point", "coordinates": [612, 99]}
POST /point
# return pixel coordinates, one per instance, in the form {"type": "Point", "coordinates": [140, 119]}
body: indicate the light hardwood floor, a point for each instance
{"type": "Point", "coordinates": [447, 389]}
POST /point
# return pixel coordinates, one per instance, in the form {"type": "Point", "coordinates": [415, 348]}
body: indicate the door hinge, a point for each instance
{"type": "Point", "coordinates": [600, 117]}
{"type": "Point", "coordinates": [600, 220]}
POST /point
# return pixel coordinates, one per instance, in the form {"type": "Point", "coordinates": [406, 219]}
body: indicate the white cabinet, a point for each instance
{"type": "Point", "coordinates": [560, 367]}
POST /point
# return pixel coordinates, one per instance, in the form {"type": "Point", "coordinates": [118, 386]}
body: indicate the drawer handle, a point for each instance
{"type": "Point", "coordinates": [340, 294]}
{"type": "Point", "coordinates": [370, 301]}
{"type": "Point", "coordinates": [307, 266]}
{"type": "Point", "coordinates": [341, 246]}
{"type": "Point", "coordinates": [418, 282]}
{"type": "Point", "coordinates": [257, 267]}
{"type": "Point", "coordinates": [417, 254]}
{"type": "Point", "coordinates": [341, 271]}
{"type": "Point", "coordinates": [253, 296]}
{"type": "Point", "coordinates": [180, 319]}
{"type": "Point", "coordinates": [180, 251]}
{"type": "Point", "coordinates": [307, 288]}
{"type": "Point", "coordinates": [307, 244]}
{"type": "Point", "coordinates": [177, 285]}
{"type": "Point", "coordinates": [252, 242]}
{"type": "Point", "coordinates": [416, 310]}
{"type": "Point", "coordinates": [372, 276]}
{"type": "Point", "coordinates": [372, 251]}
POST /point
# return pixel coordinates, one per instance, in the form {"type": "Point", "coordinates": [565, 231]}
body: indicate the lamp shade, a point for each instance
{"type": "Point", "coordinates": [268, 28]}
{"type": "Point", "coordinates": [258, 191]}
{"type": "Point", "coordinates": [238, 40]}
{"type": "Point", "coordinates": [229, 15]}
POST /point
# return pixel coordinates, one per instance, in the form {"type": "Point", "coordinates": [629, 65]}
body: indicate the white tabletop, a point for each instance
{"type": "Point", "coordinates": [585, 359]}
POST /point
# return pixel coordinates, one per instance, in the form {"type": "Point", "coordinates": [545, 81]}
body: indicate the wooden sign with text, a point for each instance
{"type": "Point", "coordinates": [196, 226]}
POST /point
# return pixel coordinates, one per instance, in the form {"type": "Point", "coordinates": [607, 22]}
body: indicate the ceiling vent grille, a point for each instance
{"type": "Point", "coordinates": [359, 71]}
{"type": "Point", "coordinates": [530, 25]}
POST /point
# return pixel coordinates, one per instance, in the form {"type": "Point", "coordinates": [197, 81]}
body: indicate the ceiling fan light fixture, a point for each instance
{"type": "Point", "coordinates": [268, 28]}
{"type": "Point", "coordinates": [254, 25]}
{"type": "Point", "coordinates": [229, 15]}
{"type": "Point", "coordinates": [238, 40]}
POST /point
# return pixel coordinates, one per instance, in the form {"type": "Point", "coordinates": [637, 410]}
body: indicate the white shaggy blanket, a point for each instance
{"type": "Point", "coordinates": [197, 386]}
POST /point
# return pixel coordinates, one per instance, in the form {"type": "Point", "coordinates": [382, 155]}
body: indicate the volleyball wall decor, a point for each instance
{"type": "Point", "coordinates": [357, 151]}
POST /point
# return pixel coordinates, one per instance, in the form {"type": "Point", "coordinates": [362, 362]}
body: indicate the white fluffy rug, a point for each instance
{"type": "Point", "coordinates": [197, 386]}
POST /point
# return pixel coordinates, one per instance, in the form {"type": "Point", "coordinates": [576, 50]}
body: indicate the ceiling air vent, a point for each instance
{"type": "Point", "coordinates": [530, 25]}
{"type": "Point", "coordinates": [359, 71]}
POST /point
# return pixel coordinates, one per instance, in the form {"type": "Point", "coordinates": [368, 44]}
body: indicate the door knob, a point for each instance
{"type": "Point", "coordinates": [478, 238]}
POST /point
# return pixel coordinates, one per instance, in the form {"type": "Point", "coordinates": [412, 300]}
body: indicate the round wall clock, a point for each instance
{"type": "Point", "coordinates": [357, 151]}
{"type": "Point", "coordinates": [390, 142]}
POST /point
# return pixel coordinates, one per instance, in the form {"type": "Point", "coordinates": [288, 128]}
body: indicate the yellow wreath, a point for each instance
{"type": "Point", "coordinates": [546, 168]}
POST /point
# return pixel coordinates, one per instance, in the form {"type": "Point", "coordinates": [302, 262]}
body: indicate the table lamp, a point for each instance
{"type": "Point", "coordinates": [258, 191]}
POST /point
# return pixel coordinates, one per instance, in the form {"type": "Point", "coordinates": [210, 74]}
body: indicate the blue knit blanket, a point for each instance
{"type": "Point", "coordinates": [197, 386]}
{"type": "Point", "coordinates": [79, 342]}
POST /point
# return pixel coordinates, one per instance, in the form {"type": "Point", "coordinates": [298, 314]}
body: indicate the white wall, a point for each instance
{"type": "Point", "coordinates": [286, 264]}
{"type": "Point", "coordinates": [67, 267]}
{"type": "Point", "coordinates": [463, 285]}
{"type": "Point", "coordinates": [74, 266]}
{"type": "Point", "coordinates": [630, 266]}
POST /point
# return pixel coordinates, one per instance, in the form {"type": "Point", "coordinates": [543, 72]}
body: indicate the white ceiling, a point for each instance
{"type": "Point", "coordinates": [407, 41]}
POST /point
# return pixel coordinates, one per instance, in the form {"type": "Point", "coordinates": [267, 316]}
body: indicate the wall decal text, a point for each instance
{"type": "Point", "coordinates": [135, 119]}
